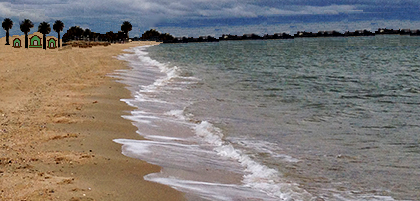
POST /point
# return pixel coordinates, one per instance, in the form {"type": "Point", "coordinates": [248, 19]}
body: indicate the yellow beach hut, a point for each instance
{"type": "Point", "coordinates": [52, 43]}
{"type": "Point", "coordinates": [35, 42]}
{"type": "Point", "coordinates": [17, 43]}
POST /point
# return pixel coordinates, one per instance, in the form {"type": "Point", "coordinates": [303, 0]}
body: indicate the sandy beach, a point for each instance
{"type": "Point", "coordinates": [59, 112]}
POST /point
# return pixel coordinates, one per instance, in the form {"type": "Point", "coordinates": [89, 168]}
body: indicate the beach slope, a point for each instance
{"type": "Point", "coordinates": [59, 112]}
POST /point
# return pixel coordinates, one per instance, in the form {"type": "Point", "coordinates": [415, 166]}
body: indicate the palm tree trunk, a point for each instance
{"type": "Point", "coordinates": [58, 39]}
{"type": "Point", "coordinates": [7, 37]}
{"type": "Point", "coordinates": [44, 40]}
{"type": "Point", "coordinates": [26, 40]}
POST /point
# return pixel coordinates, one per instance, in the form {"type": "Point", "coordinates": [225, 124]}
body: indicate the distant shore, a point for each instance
{"type": "Point", "coordinates": [299, 34]}
{"type": "Point", "coordinates": [59, 113]}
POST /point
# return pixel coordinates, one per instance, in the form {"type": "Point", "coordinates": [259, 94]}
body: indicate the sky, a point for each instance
{"type": "Point", "coordinates": [215, 17]}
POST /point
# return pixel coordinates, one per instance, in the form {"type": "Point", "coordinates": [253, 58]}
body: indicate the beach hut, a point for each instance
{"type": "Point", "coordinates": [17, 43]}
{"type": "Point", "coordinates": [52, 43]}
{"type": "Point", "coordinates": [35, 42]}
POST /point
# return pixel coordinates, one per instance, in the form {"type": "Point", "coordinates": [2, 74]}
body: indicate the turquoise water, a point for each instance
{"type": "Point", "coordinates": [318, 118]}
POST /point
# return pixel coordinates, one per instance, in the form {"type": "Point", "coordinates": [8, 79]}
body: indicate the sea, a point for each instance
{"type": "Point", "coordinates": [307, 119]}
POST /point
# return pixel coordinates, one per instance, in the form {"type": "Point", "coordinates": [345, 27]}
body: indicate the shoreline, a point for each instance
{"type": "Point", "coordinates": [60, 112]}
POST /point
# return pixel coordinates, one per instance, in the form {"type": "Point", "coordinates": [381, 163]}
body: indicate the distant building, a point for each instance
{"type": "Point", "coordinates": [52, 43]}
{"type": "Point", "coordinates": [35, 42]}
{"type": "Point", "coordinates": [387, 31]}
{"type": "Point", "coordinates": [17, 43]}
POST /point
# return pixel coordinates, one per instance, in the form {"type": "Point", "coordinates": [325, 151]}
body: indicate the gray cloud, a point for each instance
{"type": "Point", "coordinates": [100, 14]}
{"type": "Point", "coordinates": [40, 10]}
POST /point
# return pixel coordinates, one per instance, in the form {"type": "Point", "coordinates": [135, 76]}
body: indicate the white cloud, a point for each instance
{"type": "Point", "coordinates": [248, 10]}
{"type": "Point", "coordinates": [5, 9]}
{"type": "Point", "coordinates": [332, 9]}
{"type": "Point", "coordinates": [22, 12]}
{"type": "Point", "coordinates": [35, 15]}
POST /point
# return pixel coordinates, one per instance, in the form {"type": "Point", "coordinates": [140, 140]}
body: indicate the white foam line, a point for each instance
{"type": "Point", "coordinates": [141, 98]}
{"type": "Point", "coordinates": [137, 120]}
{"type": "Point", "coordinates": [208, 183]}
{"type": "Point", "coordinates": [158, 137]}
{"type": "Point", "coordinates": [212, 191]}
{"type": "Point", "coordinates": [142, 117]}
{"type": "Point", "coordinates": [179, 114]}
{"type": "Point", "coordinates": [140, 148]}
{"type": "Point", "coordinates": [147, 142]}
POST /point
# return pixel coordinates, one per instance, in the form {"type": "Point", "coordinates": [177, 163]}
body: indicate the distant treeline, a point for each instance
{"type": "Point", "coordinates": [167, 38]}
{"type": "Point", "coordinates": [77, 33]}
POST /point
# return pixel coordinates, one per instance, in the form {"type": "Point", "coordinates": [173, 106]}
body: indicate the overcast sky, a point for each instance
{"type": "Point", "coordinates": [178, 16]}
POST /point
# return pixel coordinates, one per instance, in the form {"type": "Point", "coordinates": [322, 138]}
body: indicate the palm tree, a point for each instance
{"type": "Point", "coordinates": [45, 29]}
{"type": "Point", "coordinates": [25, 27]}
{"type": "Point", "coordinates": [126, 27]}
{"type": "Point", "coordinates": [58, 27]}
{"type": "Point", "coordinates": [7, 24]}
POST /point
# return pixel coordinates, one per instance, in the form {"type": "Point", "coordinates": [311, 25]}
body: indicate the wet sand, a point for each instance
{"type": "Point", "coordinates": [59, 112]}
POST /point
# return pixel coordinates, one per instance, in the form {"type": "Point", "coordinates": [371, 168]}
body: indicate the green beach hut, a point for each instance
{"type": "Point", "coordinates": [17, 43]}
{"type": "Point", "coordinates": [52, 43]}
{"type": "Point", "coordinates": [35, 42]}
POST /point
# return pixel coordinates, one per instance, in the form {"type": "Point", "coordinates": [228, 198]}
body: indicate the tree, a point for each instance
{"type": "Point", "coordinates": [7, 24]}
{"type": "Point", "coordinates": [78, 32]}
{"type": "Point", "coordinates": [111, 36]}
{"type": "Point", "coordinates": [126, 27]}
{"type": "Point", "coordinates": [152, 34]}
{"type": "Point", "coordinates": [94, 36]}
{"type": "Point", "coordinates": [25, 26]}
{"type": "Point", "coordinates": [58, 27]}
{"type": "Point", "coordinates": [87, 33]}
{"type": "Point", "coordinates": [166, 37]}
{"type": "Point", "coordinates": [121, 36]}
{"type": "Point", "coordinates": [45, 29]}
{"type": "Point", "coordinates": [74, 33]}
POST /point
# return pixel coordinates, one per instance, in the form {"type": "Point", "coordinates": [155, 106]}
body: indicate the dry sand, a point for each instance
{"type": "Point", "coordinates": [59, 112]}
